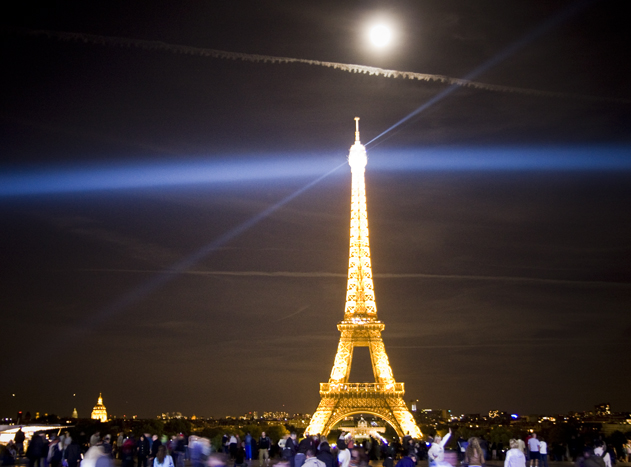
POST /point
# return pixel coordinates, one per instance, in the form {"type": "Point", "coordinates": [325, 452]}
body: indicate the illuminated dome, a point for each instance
{"type": "Point", "coordinates": [99, 412]}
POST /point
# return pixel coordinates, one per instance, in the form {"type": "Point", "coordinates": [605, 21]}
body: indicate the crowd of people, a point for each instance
{"type": "Point", "coordinates": [149, 450]}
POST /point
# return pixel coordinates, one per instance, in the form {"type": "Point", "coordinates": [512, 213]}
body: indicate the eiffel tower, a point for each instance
{"type": "Point", "coordinates": [361, 328]}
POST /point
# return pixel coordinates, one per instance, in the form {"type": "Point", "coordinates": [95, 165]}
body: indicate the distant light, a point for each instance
{"type": "Point", "coordinates": [514, 416]}
{"type": "Point", "coordinates": [380, 35]}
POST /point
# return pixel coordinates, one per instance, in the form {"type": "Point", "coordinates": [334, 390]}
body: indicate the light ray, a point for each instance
{"type": "Point", "coordinates": [569, 158]}
{"type": "Point", "coordinates": [19, 182]}
{"type": "Point", "coordinates": [69, 179]}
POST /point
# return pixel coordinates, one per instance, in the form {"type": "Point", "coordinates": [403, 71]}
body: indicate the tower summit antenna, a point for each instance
{"type": "Point", "coordinates": [357, 129]}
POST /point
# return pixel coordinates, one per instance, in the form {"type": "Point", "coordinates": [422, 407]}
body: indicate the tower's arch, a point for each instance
{"type": "Point", "coordinates": [337, 418]}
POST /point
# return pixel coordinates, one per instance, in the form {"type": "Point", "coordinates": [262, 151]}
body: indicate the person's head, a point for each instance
{"type": "Point", "coordinates": [262, 434]}
{"type": "Point", "coordinates": [534, 435]}
{"type": "Point", "coordinates": [588, 451]}
{"type": "Point", "coordinates": [324, 446]}
{"type": "Point", "coordinates": [437, 438]}
{"type": "Point", "coordinates": [474, 443]}
{"type": "Point", "coordinates": [341, 444]}
{"type": "Point", "coordinates": [412, 456]}
{"type": "Point", "coordinates": [161, 454]}
{"type": "Point", "coordinates": [293, 436]}
{"type": "Point", "coordinates": [310, 453]}
{"type": "Point", "coordinates": [514, 444]}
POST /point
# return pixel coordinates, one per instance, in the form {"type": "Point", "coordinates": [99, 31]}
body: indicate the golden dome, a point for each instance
{"type": "Point", "coordinates": [99, 412]}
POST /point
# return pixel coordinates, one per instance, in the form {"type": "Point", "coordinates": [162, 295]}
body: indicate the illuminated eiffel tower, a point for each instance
{"type": "Point", "coordinates": [361, 328]}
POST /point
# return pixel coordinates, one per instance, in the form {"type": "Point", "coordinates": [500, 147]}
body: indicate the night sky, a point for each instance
{"type": "Point", "coordinates": [163, 241]}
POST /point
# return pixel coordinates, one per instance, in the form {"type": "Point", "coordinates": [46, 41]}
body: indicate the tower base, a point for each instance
{"type": "Point", "coordinates": [342, 400]}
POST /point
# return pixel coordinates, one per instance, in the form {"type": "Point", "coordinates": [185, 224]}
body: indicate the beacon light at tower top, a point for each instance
{"type": "Point", "coordinates": [357, 158]}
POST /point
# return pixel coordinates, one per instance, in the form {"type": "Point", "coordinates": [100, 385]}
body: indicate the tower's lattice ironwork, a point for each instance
{"type": "Point", "coordinates": [361, 328]}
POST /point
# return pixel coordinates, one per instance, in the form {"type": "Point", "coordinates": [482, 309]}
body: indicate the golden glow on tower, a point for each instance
{"type": "Point", "coordinates": [99, 412]}
{"type": "Point", "coordinates": [361, 328]}
{"type": "Point", "coordinates": [360, 295]}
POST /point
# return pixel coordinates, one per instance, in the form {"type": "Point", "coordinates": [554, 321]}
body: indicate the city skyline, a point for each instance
{"type": "Point", "coordinates": [175, 221]}
{"type": "Point", "coordinates": [602, 412]}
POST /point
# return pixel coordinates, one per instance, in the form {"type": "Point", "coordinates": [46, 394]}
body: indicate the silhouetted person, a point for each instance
{"type": "Point", "coordinates": [34, 450]}
{"type": "Point", "coordinates": [265, 445]}
{"type": "Point", "coordinates": [290, 450]}
{"type": "Point", "coordinates": [311, 460]}
{"type": "Point", "coordinates": [143, 450]}
{"type": "Point", "coordinates": [474, 455]}
{"type": "Point", "coordinates": [515, 456]}
{"type": "Point", "coordinates": [19, 441]}
{"type": "Point", "coordinates": [128, 451]}
{"type": "Point", "coordinates": [407, 461]}
{"type": "Point", "coordinates": [72, 453]}
{"type": "Point", "coordinates": [325, 455]}
{"type": "Point", "coordinates": [162, 458]}
{"type": "Point", "coordinates": [589, 459]}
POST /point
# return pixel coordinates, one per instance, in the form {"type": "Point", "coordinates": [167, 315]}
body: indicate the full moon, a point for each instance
{"type": "Point", "coordinates": [380, 35]}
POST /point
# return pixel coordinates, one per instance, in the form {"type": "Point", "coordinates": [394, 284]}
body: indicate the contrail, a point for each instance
{"type": "Point", "coordinates": [316, 274]}
{"type": "Point", "coordinates": [351, 68]}
{"type": "Point", "coordinates": [529, 344]}
{"type": "Point", "coordinates": [293, 314]}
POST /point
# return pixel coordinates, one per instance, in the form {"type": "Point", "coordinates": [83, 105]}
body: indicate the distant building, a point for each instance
{"type": "Point", "coordinates": [432, 416]}
{"type": "Point", "coordinates": [171, 416]}
{"type": "Point", "coordinates": [99, 412]}
{"type": "Point", "coordinates": [74, 413]}
{"type": "Point", "coordinates": [275, 415]}
{"type": "Point", "coordinates": [363, 430]}
{"type": "Point", "coordinates": [603, 409]}
{"type": "Point", "coordinates": [499, 416]}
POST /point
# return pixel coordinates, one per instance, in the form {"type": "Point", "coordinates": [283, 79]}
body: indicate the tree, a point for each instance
{"type": "Point", "coordinates": [177, 425]}
{"type": "Point", "coordinates": [152, 426]}
{"type": "Point", "coordinates": [500, 434]}
{"type": "Point", "coordinates": [276, 432]}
